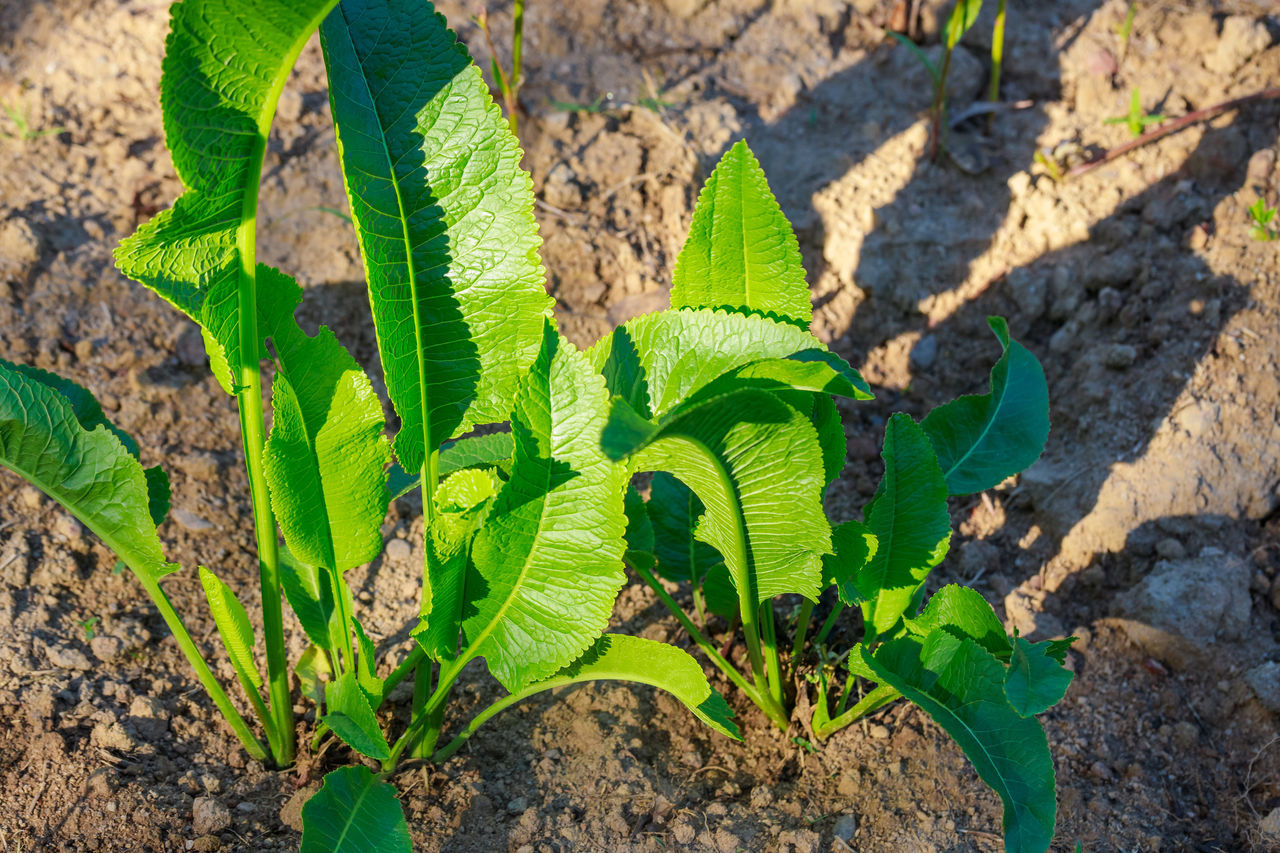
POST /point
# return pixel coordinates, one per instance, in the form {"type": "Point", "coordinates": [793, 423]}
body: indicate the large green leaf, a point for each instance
{"type": "Point", "coordinates": [962, 686]}
{"type": "Point", "coordinates": [909, 518]}
{"type": "Point", "coordinates": [756, 465]}
{"type": "Point", "coordinates": [87, 470]}
{"type": "Point", "coordinates": [618, 657]}
{"type": "Point", "coordinates": [326, 458]}
{"type": "Point", "coordinates": [354, 812]}
{"type": "Point", "coordinates": [547, 564]}
{"type": "Point", "coordinates": [741, 253]}
{"type": "Point", "coordinates": [234, 628]}
{"type": "Point", "coordinates": [962, 611]}
{"type": "Point", "coordinates": [224, 67]}
{"type": "Point", "coordinates": [982, 439]}
{"type": "Point", "coordinates": [657, 361]}
{"type": "Point", "coordinates": [444, 215]}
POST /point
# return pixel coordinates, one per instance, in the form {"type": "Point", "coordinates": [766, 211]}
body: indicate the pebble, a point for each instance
{"type": "Point", "coordinates": [925, 353]}
{"type": "Point", "coordinates": [846, 826]}
{"type": "Point", "coordinates": [1269, 826]}
{"type": "Point", "coordinates": [878, 732]}
{"type": "Point", "coordinates": [209, 816]}
{"type": "Point", "coordinates": [106, 648]}
{"type": "Point", "coordinates": [1119, 356]}
{"type": "Point", "coordinates": [67, 657]}
{"type": "Point", "coordinates": [1170, 549]}
{"type": "Point", "coordinates": [1242, 37]}
{"type": "Point", "coordinates": [399, 550]}
{"type": "Point", "coordinates": [518, 805]}
{"type": "Point", "coordinates": [1264, 680]}
{"type": "Point", "coordinates": [191, 521]}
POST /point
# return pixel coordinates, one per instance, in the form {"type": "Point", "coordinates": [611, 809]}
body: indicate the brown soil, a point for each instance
{"type": "Point", "coordinates": [1155, 315]}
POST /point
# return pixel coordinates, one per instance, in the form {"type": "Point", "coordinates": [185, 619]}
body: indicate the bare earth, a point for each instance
{"type": "Point", "coordinates": [1148, 530]}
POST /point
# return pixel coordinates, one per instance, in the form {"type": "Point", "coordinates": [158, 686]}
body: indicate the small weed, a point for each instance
{"type": "Point", "coordinates": [596, 107]}
{"type": "Point", "coordinates": [1125, 28]}
{"type": "Point", "coordinates": [22, 125]}
{"type": "Point", "coordinates": [805, 744]}
{"type": "Point", "coordinates": [88, 626]}
{"type": "Point", "coordinates": [1136, 119]}
{"type": "Point", "coordinates": [1262, 216]}
{"type": "Point", "coordinates": [508, 82]}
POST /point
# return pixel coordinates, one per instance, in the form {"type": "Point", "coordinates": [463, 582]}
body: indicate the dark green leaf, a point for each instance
{"type": "Point", "coordinates": [1035, 681]}
{"type": "Point", "coordinates": [640, 535]}
{"type": "Point", "coordinates": [354, 812]}
{"type": "Point", "coordinates": [982, 439]}
{"type": "Point", "coordinates": [348, 714]}
{"type": "Point", "coordinates": [674, 510]}
{"type": "Point", "coordinates": [854, 546]}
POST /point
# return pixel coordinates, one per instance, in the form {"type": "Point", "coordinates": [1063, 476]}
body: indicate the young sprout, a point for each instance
{"type": "Point", "coordinates": [1136, 119]}
{"type": "Point", "coordinates": [22, 124]}
{"type": "Point", "coordinates": [508, 82]}
{"type": "Point", "coordinates": [1262, 216]}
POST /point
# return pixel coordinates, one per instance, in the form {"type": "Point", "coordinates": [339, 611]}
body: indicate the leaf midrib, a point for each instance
{"type": "Point", "coordinates": [990, 420]}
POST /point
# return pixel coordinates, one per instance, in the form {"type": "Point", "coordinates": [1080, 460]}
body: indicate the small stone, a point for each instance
{"type": "Point", "coordinates": [106, 648]}
{"type": "Point", "coordinates": [191, 521]}
{"type": "Point", "coordinates": [206, 844]}
{"type": "Point", "coordinates": [1170, 549]}
{"type": "Point", "coordinates": [1264, 681]}
{"type": "Point", "coordinates": [291, 811]}
{"type": "Point", "coordinates": [84, 350]}
{"type": "Point", "coordinates": [559, 189]}
{"type": "Point", "coordinates": [1242, 37]}
{"type": "Point", "coordinates": [1269, 826]}
{"type": "Point", "coordinates": [518, 805]}
{"type": "Point", "coordinates": [925, 353]}
{"type": "Point", "coordinates": [289, 107]}
{"type": "Point", "coordinates": [1185, 734]}
{"type": "Point", "coordinates": [209, 816]}
{"type": "Point", "coordinates": [1119, 356]}
{"type": "Point", "coordinates": [190, 347]}
{"type": "Point", "coordinates": [878, 732]}
{"type": "Point", "coordinates": [148, 717]}
{"type": "Point", "coordinates": [112, 735]}
{"type": "Point", "coordinates": [101, 783]}
{"type": "Point", "coordinates": [67, 657]}
{"type": "Point", "coordinates": [245, 808]}
{"type": "Point", "coordinates": [398, 550]}
{"type": "Point", "coordinates": [30, 497]}
{"type": "Point", "coordinates": [846, 826]}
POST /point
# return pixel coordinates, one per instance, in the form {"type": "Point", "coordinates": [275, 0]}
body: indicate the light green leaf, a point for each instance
{"type": "Point", "coordinates": [982, 439]}
{"type": "Point", "coordinates": [963, 16]}
{"type": "Point", "coordinates": [756, 465]}
{"type": "Point", "coordinates": [741, 253]}
{"type": "Point", "coordinates": [313, 673]}
{"type": "Point", "coordinates": [854, 545]}
{"type": "Point", "coordinates": [547, 564]}
{"type": "Point", "coordinates": [617, 657]}
{"type": "Point", "coordinates": [1035, 681]}
{"type": "Point", "coordinates": [354, 812]}
{"type": "Point", "coordinates": [961, 685]}
{"type": "Point", "coordinates": [234, 628]}
{"type": "Point", "coordinates": [89, 471]}
{"type": "Point", "coordinates": [225, 64]}
{"type": "Point", "coordinates": [657, 361]}
{"type": "Point", "coordinates": [367, 667]}
{"type": "Point", "coordinates": [349, 715]}
{"type": "Point", "coordinates": [909, 518]}
{"type": "Point", "coordinates": [963, 611]}
{"type": "Point", "coordinates": [326, 458]}
{"type": "Point", "coordinates": [815, 370]}
{"type": "Point", "coordinates": [310, 596]}
{"type": "Point", "coordinates": [492, 450]}
{"type": "Point", "coordinates": [444, 215]}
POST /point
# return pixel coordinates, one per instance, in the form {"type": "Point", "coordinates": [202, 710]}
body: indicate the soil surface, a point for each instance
{"type": "Point", "coordinates": [1148, 530]}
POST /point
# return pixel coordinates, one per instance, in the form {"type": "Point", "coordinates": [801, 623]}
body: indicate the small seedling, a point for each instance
{"type": "Point", "coordinates": [1262, 216]}
{"type": "Point", "coordinates": [1125, 28]}
{"type": "Point", "coordinates": [22, 125]}
{"type": "Point", "coordinates": [88, 626]}
{"type": "Point", "coordinates": [997, 59]}
{"type": "Point", "coordinates": [962, 17]}
{"type": "Point", "coordinates": [1137, 120]}
{"type": "Point", "coordinates": [508, 82]}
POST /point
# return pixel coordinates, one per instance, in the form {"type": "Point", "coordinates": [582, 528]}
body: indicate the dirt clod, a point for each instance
{"type": "Point", "coordinates": [209, 816]}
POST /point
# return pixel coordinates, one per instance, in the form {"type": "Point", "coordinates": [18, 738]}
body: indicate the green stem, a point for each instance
{"type": "Point", "coordinates": [830, 623]}
{"type": "Point", "coordinates": [399, 674]}
{"type": "Point", "coordinates": [251, 744]}
{"type": "Point", "coordinates": [412, 735]}
{"type": "Point", "coordinates": [940, 105]}
{"type": "Point", "coordinates": [430, 478]}
{"type": "Point", "coordinates": [873, 701]}
{"type": "Point", "coordinates": [997, 60]}
{"type": "Point", "coordinates": [802, 630]}
{"type": "Point", "coordinates": [772, 659]}
{"type": "Point", "coordinates": [773, 710]}
{"type": "Point", "coordinates": [517, 53]}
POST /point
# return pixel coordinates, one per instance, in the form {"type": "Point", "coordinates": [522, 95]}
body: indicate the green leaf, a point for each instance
{"type": "Point", "coordinates": [909, 518]}
{"type": "Point", "coordinates": [640, 533]}
{"type": "Point", "coordinates": [1035, 682]}
{"type": "Point", "coordinates": [444, 216]}
{"type": "Point", "coordinates": [816, 370]}
{"type": "Point", "coordinates": [658, 361]}
{"type": "Point", "coordinates": [835, 447]}
{"type": "Point", "coordinates": [234, 628]}
{"type": "Point", "coordinates": [158, 494]}
{"type": "Point", "coordinates": [477, 451]}
{"type": "Point", "coordinates": [854, 545]}
{"type": "Point", "coordinates": [89, 471]}
{"type": "Point", "coordinates": [741, 253]}
{"type": "Point", "coordinates": [982, 439]}
{"type": "Point", "coordinates": [547, 564]}
{"type": "Point", "coordinates": [617, 657]}
{"type": "Point", "coordinates": [674, 511]}
{"type": "Point", "coordinates": [962, 17]}
{"type": "Point", "coordinates": [354, 812]}
{"type": "Point", "coordinates": [310, 596]}
{"type": "Point", "coordinates": [756, 465]}
{"type": "Point", "coordinates": [963, 612]}
{"type": "Point", "coordinates": [313, 673]}
{"type": "Point", "coordinates": [225, 64]}
{"type": "Point", "coordinates": [351, 718]}
{"type": "Point", "coordinates": [326, 458]}
{"type": "Point", "coordinates": [961, 685]}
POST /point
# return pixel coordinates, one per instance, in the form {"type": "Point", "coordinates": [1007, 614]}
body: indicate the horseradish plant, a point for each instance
{"type": "Point", "coordinates": [728, 398]}
{"type": "Point", "coordinates": [525, 528]}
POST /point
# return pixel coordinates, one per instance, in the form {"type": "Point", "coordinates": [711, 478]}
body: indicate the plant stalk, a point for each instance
{"type": "Point", "coordinates": [873, 701]}
{"type": "Point", "coordinates": [997, 60]}
{"type": "Point", "coordinates": [802, 630]}
{"type": "Point", "coordinates": [773, 661]}
{"type": "Point", "coordinates": [830, 623]}
{"type": "Point", "coordinates": [940, 106]}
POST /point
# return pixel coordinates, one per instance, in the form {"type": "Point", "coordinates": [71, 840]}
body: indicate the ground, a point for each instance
{"type": "Point", "coordinates": [1148, 530]}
